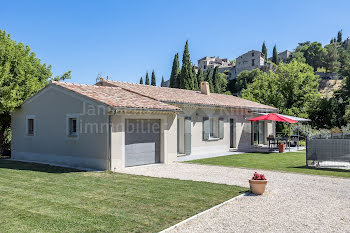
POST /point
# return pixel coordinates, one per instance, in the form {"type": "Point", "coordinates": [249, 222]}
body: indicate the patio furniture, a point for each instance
{"type": "Point", "coordinates": [272, 141]}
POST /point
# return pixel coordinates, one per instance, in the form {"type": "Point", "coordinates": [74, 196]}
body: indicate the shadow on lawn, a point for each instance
{"type": "Point", "coordinates": [16, 165]}
{"type": "Point", "coordinates": [323, 169]}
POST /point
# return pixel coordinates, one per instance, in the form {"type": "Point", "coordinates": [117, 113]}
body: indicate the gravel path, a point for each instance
{"type": "Point", "coordinates": [292, 202]}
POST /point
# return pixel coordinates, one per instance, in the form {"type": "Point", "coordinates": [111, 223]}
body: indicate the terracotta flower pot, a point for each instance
{"type": "Point", "coordinates": [257, 186]}
{"type": "Point", "coordinates": [281, 148]}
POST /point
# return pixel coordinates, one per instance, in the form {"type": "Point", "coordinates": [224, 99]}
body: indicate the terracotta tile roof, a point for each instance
{"type": "Point", "coordinates": [173, 95]}
{"type": "Point", "coordinates": [116, 97]}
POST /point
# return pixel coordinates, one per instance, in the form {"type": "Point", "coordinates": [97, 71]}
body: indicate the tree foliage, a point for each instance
{"type": "Point", "coordinates": [313, 53]}
{"type": "Point", "coordinates": [275, 55]}
{"type": "Point", "coordinates": [331, 59]}
{"type": "Point", "coordinates": [147, 79]}
{"type": "Point", "coordinates": [209, 79]}
{"type": "Point", "coordinates": [340, 36]}
{"type": "Point", "coordinates": [141, 80]}
{"type": "Point", "coordinates": [186, 75]}
{"type": "Point", "coordinates": [264, 49]}
{"type": "Point", "coordinates": [293, 88]}
{"type": "Point", "coordinates": [244, 78]}
{"type": "Point", "coordinates": [200, 77]}
{"type": "Point", "coordinates": [153, 79]}
{"type": "Point", "coordinates": [175, 72]}
{"type": "Point", "coordinates": [194, 78]}
{"type": "Point", "coordinates": [22, 74]}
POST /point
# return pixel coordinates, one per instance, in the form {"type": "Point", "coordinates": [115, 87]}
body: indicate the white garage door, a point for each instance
{"type": "Point", "coordinates": [142, 142]}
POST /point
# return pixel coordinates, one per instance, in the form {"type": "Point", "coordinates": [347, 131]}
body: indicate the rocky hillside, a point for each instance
{"type": "Point", "coordinates": [327, 87]}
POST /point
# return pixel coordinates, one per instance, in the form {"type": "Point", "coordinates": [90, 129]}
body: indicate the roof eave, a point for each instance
{"type": "Point", "coordinates": [222, 106]}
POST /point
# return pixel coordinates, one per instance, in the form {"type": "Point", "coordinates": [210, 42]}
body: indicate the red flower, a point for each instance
{"type": "Point", "coordinates": [258, 176]}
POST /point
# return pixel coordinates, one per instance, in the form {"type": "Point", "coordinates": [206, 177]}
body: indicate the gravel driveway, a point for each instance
{"type": "Point", "coordinates": [292, 202]}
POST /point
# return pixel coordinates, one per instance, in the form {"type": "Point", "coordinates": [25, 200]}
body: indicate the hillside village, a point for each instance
{"type": "Point", "coordinates": [309, 81]}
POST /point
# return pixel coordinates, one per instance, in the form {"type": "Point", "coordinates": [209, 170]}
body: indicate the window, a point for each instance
{"type": "Point", "coordinates": [253, 62]}
{"type": "Point", "coordinates": [30, 125]}
{"type": "Point", "coordinates": [252, 54]}
{"type": "Point", "coordinates": [214, 127]}
{"type": "Point", "coordinates": [72, 125]}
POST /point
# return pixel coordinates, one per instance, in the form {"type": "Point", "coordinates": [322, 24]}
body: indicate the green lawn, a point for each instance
{"type": "Point", "coordinates": [41, 198]}
{"type": "Point", "coordinates": [288, 162]}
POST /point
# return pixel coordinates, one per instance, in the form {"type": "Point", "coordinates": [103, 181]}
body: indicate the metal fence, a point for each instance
{"type": "Point", "coordinates": [330, 150]}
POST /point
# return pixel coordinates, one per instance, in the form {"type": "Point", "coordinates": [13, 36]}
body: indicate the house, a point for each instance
{"type": "Point", "coordinates": [285, 56]}
{"type": "Point", "coordinates": [223, 64]}
{"type": "Point", "coordinates": [206, 63]}
{"type": "Point", "coordinates": [251, 60]}
{"type": "Point", "coordinates": [113, 125]}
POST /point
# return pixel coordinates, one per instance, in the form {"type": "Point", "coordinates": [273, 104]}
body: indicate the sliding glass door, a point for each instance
{"type": "Point", "coordinates": [258, 132]}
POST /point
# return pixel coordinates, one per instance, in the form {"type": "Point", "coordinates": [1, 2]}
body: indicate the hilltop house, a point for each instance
{"type": "Point", "coordinates": [113, 125]}
{"type": "Point", "coordinates": [249, 61]}
{"type": "Point", "coordinates": [209, 63]}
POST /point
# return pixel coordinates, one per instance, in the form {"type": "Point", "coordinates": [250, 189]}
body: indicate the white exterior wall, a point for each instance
{"type": "Point", "coordinates": [168, 137]}
{"type": "Point", "coordinates": [50, 144]}
{"type": "Point", "coordinates": [242, 137]}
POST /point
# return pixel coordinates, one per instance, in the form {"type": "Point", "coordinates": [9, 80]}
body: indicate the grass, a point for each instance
{"type": "Point", "coordinates": [42, 198]}
{"type": "Point", "coordinates": [287, 162]}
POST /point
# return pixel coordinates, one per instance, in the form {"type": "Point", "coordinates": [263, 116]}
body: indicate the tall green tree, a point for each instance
{"type": "Point", "coordinates": [200, 77]}
{"type": "Point", "coordinates": [175, 72]}
{"type": "Point", "coordinates": [221, 84]}
{"type": "Point", "coordinates": [186, 76]}
{"type": "Point", "coordinates": [340, 36]}
{"type": "Point", "coordinates": [209, 79]}
{"type": "Point", "coordinates": [147, 79]}
{"type": "Point", "coordinates": [216, 79]}
{"type": "Point", "coordinates": [153, 79]}
{"type": "Point", "coordinates": [275, 55]}
{"type": "Point", "coordinates": [264, 49]}
{"type": "Point", "coordinates": [245, 78]}
{"type": "Point", "coordinates": [293, 88]}
{"type": "Point", "coordinates": [22, 74]}
{"type": "Point", "coordinates": [194, 77]}
{"type": "Point", "coordinates": [162, 82]}
{"type": "Point", "coordinates": [331, 59]}
{"type": "Point", "coordinates": [141, 80]}
{"type": "Point", "coordinates": [313, 53]}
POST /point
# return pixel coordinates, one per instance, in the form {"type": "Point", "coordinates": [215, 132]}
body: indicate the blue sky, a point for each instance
{"type": "Point", "coordinates": [124, 39]}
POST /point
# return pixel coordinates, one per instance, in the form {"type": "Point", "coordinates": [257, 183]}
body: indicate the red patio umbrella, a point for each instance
{"type": "Point", "coordinates": [273, 117]}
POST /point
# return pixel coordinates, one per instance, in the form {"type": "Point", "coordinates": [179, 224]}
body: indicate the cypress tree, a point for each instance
{"type": "Point", "coordinates": [216, 80]}
{"type": "Point", "coordinates": [175, 72]}
{"type": "Point", "coordinates": [147, 79]}
{"type": "Point", "coordinates": [208, 78]}
{"type": "Point", "coordinates": [340, 36]}
{"type": "Point", "coordinates": [153, 79]}
{"type": "Point", "coordinates": [275, 55]}
{"type": "Point", "coordinates": [264, 50]}
{"type": "Point", "coordinates": [186, 77]}
{"type": "Point", "coordinates": [195, 82]}
{"type": "Point", "coordinates": [200, 77]}
{"type": "Point", "coordinates": [162, 84]}
{"type": "Point", "coordinates": [141, 80]}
